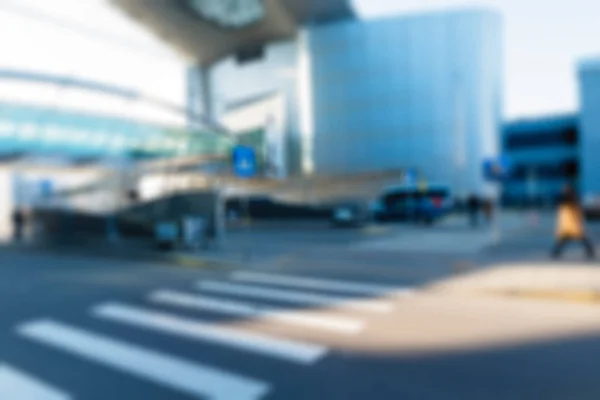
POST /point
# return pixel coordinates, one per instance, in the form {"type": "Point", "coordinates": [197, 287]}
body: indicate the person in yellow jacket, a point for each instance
{"type": "Point", "coordinates": [570, 225]}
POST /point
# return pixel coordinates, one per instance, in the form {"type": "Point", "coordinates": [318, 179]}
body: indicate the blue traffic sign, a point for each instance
{"type": "Point", "coordinates": [244, 161]}
{"type": "Point", "coordinates": [46, 188]}
{"type": "Point", "coordinates": [497, 169]}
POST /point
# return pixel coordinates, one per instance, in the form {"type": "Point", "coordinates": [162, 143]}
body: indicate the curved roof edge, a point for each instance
{"type": "Point", "coordinates": [589, 64]}
{"type": "Point", "coordinates": [203, 41]}
{"type": "Point", "coordinates": [109, 90]}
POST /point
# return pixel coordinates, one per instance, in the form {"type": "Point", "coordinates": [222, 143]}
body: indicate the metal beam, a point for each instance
{"type": "Point", "coordinates": [110, 90]}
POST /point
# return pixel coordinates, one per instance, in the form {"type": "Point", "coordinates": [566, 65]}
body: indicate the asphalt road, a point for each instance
{"type": "Point", "coordinates": [98, 328]}
{"type": "Point", "coordinates": [92, 328]}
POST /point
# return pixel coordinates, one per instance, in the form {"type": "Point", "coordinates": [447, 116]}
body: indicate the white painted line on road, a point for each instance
{"type": "Point", "coordinates": [16, 385]}
{"type": "Point", "coordinates": [312, 283]}
{"type": "Point", "coordinates": [204, 303]}
{"type": "Point", "coordinates": [291, 296]}
{"type": "Point", "coordinates": [340, 325]}
{"type": "Point", "coordinates": [289, 350]}
{"type": "Point", "coordinates": [191, 378]}
{"type": "Point", "coordinates": [345, 326]}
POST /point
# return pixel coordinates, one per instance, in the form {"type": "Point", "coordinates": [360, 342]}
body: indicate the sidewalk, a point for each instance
{"type": "Point", "coordinates": [452, 235]}
{"type": "Point", "coordinates": [563, 281]}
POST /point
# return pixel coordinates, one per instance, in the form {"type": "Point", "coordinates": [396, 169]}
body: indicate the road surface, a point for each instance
{"type": "Point", "coordinates": [93, 328]}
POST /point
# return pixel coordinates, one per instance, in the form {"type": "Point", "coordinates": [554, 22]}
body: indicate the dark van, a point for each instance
{"type": "Point", "coordinates": [413, 204]}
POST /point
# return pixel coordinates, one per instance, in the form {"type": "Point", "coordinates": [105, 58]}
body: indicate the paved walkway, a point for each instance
{"type": "Point", "coordinates": [570, 281]}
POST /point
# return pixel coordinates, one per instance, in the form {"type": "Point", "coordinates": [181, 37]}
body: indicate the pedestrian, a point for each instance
{"type": "Point", "coordinates": [570, 224]}
{"type": "Point", "coordinates": [473, 209]}
{"type": "Point", "coordinates": [18, 219]}
{"type": "Point", "coordinates": [488, 210]}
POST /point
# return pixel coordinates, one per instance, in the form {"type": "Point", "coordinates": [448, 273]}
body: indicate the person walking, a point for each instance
{"type": "Point", "coordinates": [18, 222]}
{"type": "Point", "coordinates": [488, 210]}
{"type": "Point", "coordinates": [473, 205]}
{"type": "Point", "coordinates": [570, 225]}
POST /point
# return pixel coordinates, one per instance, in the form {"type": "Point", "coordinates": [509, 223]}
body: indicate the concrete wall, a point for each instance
{"type": "Point", "coordinates": [198, 96]}
{"type": "Point", "coordinates": [420, 91]}
{"type": "Point", "coordinates": [589, 75]}
{"type": "Point", "coordinates": [232, 84]}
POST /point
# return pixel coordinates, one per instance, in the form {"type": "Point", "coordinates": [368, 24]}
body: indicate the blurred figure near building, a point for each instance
{"type": "Point", "coordinates": [18, 219]}
{"type": "Point", "coordinates": [473, 205]}
{"type": "Point", "coordinates": [570, 224]}
{"type": "Point", "coordinates": [488, 210]}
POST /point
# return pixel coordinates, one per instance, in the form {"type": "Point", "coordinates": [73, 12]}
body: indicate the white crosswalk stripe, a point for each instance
{"type": "Point", "coordinates": [16, 385]}
{"type": "Point", "coordinates": [191, 378]}
{"type": "Point", "coordinates": [290, 296]}
{"type": "Point", "coordinates": [312, 283]}
{"type": "Point", "coordinates": [335, 324]}
{"type": "Point", "coordinates": [293, 351]}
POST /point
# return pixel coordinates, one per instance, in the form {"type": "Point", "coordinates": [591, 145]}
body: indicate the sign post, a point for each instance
{"type": "Point", "coordinates": [411, 177]}
{"type": "Point", "coordinates": [244, 165]}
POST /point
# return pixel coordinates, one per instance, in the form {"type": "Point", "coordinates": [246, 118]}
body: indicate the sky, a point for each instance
{"type": "Point", "coordinates": [543, 42]}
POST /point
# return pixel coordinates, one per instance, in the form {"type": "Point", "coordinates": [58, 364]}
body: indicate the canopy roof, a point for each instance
{"type": "Point", "coordinates": [207, 30]}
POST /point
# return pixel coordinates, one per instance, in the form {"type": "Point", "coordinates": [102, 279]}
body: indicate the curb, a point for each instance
{"type": "Point", "coordinates": [196, 262]}
{"type": "Point", "coordinates": [571, 296]}
{"type": "Point", "coordinates": [119, 253]}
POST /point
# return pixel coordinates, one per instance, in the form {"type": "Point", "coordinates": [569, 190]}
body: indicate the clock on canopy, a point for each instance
{"type": "Point", "coordinates": [229, 13]}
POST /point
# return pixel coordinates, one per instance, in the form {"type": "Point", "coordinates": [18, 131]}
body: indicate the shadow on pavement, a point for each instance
{"type": "Point", "coordinates": [555, 369]}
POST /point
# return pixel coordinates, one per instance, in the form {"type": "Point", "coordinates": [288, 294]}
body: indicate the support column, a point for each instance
{"type": "Point", "coordinates": [199, 97]}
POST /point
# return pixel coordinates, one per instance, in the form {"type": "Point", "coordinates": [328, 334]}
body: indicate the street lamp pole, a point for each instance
{"type": "Point", "coordinates": [460, 151]}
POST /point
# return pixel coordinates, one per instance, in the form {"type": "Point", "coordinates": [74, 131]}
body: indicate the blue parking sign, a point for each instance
{"type": "Point", "coordinates": [244, 161]}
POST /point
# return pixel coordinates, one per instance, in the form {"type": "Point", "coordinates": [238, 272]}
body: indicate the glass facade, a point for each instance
{"type": "Point", "coordinates": [420, 91]}
{"type": "Point", "coordinates": [544, 153]}
{"type": "Point", "coordinates": [40, 130]}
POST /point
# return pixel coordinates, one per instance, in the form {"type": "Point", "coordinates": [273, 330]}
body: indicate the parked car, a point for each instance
{"type": "Point", "coordinates": [413, 204]}
{"type": "Point", "coordinates": [350, 214]}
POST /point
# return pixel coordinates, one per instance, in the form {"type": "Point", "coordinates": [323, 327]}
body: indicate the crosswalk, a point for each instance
{"type": "Point", "coordinates": [188, 315]}
{"type": "Point", "coordinates": [291, 296]}
{"type": "Point", "coordinates": [191, 378]}
{"type": "Point", "coordinates": [337, 324]}
{"type": "Point", "coordinates": [292, 351]}
{"type": "Point", "coordinates": [311, 283]}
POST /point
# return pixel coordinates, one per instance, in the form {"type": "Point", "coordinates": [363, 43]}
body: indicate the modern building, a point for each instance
{"type": "Point", "coordinates": [336, 95]}
{"type": "Point", "coordinates": [418, 92]}
{"type": "Point", "coordinates": [47, 150]}
{"type": "Point", "coordinates": [545, 156]}
{"type": "Point", "coordinates": [30, 128]}
{"type": "Point", "coordinates": [548, 153]}
{"type": "Point", "coordinates": [589, 79]}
